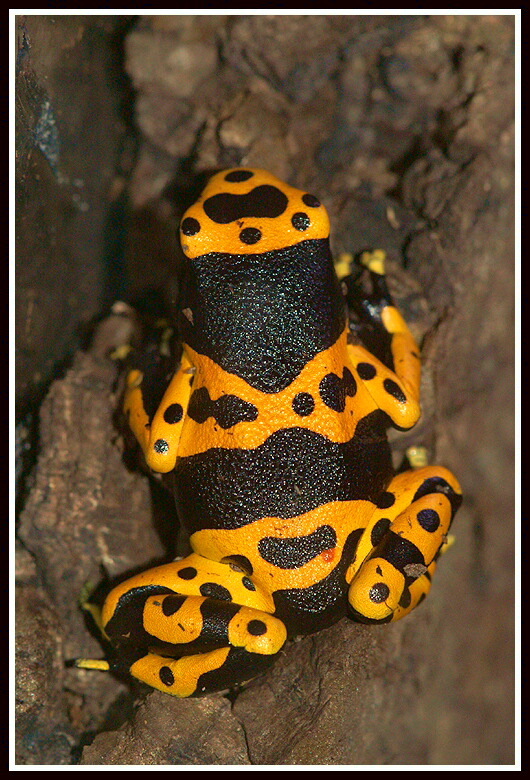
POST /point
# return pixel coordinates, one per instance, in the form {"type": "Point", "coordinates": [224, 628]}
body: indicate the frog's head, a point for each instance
{"type": "Point", "coordinates": [248, 211]}
{"type": "Point", "coordinates": [259, 294]}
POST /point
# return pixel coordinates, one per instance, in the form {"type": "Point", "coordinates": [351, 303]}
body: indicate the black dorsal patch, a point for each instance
{"type": "Point", "coordinates": [293, 552]}
{"type": "Point", "coordinates": [263, 317]}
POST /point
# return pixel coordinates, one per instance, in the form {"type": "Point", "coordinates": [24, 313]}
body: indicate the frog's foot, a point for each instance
{"type": "Point", "coordinates": [374, 261]}
{"type": "Point", "coordinates": [385, 351]}
{"type": "Point", "coordinates": [407, 538]}
{"type": "Point", "coordinates": [202, 673]}
{"type": "Point", "coordinates": [191, 627]}
{"type": "Point", "coordinates": [370, 306]}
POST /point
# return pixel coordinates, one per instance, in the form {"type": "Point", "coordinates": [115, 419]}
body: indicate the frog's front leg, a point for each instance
{"type": "Point", "coordinates": [159, 434]}
{"type": "Point", "coordinates": [397, 555]}
{"type": "Point", "coordinates": [190, 627]}
{"type": "Point", "coordinates": [393, 381]}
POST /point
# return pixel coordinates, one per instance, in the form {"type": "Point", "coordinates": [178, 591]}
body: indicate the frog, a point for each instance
{"type": "Point", "coordinates": [272, 429]}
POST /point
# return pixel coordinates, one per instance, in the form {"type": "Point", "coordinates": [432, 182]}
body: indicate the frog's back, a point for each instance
{"type": "Point", "coordinates": [280, 431]}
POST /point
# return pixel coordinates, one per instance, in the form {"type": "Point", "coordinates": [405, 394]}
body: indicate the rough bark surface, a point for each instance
{"type": "Point", "coordinates": [405, 127]}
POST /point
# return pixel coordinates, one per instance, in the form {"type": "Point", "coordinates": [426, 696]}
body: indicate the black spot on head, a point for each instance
{"type": "Point", "coordinates": [250, 236]}
{"type": "Point", "coordinates": [166, 676]}
{"type": "Point", "coordinates": [303, 404]}
{"type": "Point", "coordinates": [161, 446]}
{"type": "Point", "coordinates": [300, 221]}
{"type": "Point", "coordinates": [189, 573]}
{"type": "Point", "coordinates": [310, 201]}
{"type": "Point", "coordinates": [379, 592]}
{"type": "Point", "coordinates": [263, 201]}
{"type": "Point", "coordinates": [429, 519]}
{"type": "Point", "coordinates": [240, 175]}
{"type": "Point", "coordinates": [190, 226]}
{"type": "Point", "coordinates": [386, 500]}
{"type": "Point", "coordinates": [215, 591]}
{"type": "Point", "coordinates": [379, 530]}
{"type": "Point", "coordinates": [394, 390]}
{"type": "Point", "coordinates": [173, 414]}
{"type": "Point", "coordinates": [366, 370]}
{"type": "Point", "coordinates": [256, 627]}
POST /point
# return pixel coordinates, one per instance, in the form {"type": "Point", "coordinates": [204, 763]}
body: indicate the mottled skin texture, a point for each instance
{"type": "Point", "coordinates": [274, 429]}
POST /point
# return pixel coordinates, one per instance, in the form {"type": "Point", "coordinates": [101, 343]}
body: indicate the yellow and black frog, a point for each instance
{"type": "Point", "coordinates": [274, 429]}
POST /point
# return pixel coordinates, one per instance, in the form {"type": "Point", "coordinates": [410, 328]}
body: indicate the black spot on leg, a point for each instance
{"type": "Point", "coordinates": [166, 676]}
{"type": "Point", "coordinates": [405, 599]}
{"type": "Point", "coordinates": [394, 390]}
{"type": "Point", "coordinates": [173, 414]}
{"type": "Point", "coordinates": [213, 590]}
{"type": "Point", "coordinates": [366, 371]}
{"type": "Point", "coordinates": [379, 530]}
{"type": "Point", "coordinates": [439, 485]}
{"type": "Point", "coordinates": [429, 519]}
{"type": "Point", "coordinates": [189, 573]}
{"type": "Point", "coordinates": [379, 592]}
{"type": "Point", "coordinates": [172, 604]}
{"type": "Point", "coordinates": [248, 584]}
{"type": "Point", "coordinates": [161, 446]}
{"type": "Point", "coordinates": [256, 627]}
{"type": "Point", "coordinates": [386, 500]}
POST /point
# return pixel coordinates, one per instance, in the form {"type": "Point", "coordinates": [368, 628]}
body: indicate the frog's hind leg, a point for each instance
{"type": "Point", "coordinates": [191, 627]}
{"type": "Point", "coordinates": [398, 553]}
{"type": "Point", "coordinates": [202, 673]}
